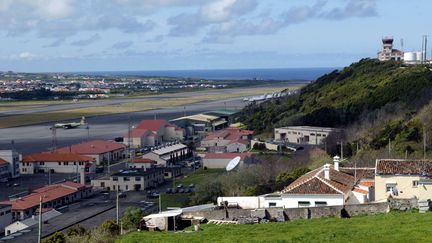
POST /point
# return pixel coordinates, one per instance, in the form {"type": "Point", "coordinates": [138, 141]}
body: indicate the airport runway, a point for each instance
{"type": "Point", "coordinates": [38, 138]}
{"type": "Point", "coordinates": [35, 138]}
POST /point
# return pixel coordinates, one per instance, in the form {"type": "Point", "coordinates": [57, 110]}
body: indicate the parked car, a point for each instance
{"type": "Point", "coordinates": [181, 190]}
{"type": "Point", "coordinates": [168, 190]}
{"type": "Point", "coordinates": [122, 195]}
{"type": "Point", "coordinates": [179, 186]}
{"type": "Point", "coordinates": [191, 186]}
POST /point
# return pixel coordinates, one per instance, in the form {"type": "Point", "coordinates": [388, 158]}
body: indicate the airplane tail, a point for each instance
{"type": "Point", "coordinates": [83, 120]}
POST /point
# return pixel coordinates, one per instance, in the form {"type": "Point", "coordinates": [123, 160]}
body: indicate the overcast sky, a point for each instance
{"type": "Point", "coordinates": [104, 35]}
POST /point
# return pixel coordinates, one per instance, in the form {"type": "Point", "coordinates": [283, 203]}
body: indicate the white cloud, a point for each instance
{"type": "Point", "coordinates": [26, 56]}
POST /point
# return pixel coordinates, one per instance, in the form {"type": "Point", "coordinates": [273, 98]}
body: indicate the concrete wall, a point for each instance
{"type": "Point", "coordinates": [297, 213]}
{"type": "Point", "coordinates": [269, 146]}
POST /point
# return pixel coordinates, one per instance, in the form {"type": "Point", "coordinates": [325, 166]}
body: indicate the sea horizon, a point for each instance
{"type": "Point", "coordinates": [224, 74]}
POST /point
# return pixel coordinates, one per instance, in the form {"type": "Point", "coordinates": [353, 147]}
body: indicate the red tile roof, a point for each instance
{"type": "Point", "coordinates": [152, 125]}
{"type": "Point", "coordinates": [314, 182]}
{"type": "Point", "coordinates": [361, 191]}
{"type": "Point", "coordinates": [231, 133]}
{"type": "Point", "coordinates": [143, 160]}
{"type": "Point", "coordinates": [3, 162]}
{"type": "Point", "coordinates": [138, 132]}
{"type": "Point", "coordinates": [404, 167]}
{"type": "Point", "coordinates": [56, 157]}
{"type": "Point", "coordinates": [359, 173]}
{"type": "Point", "coordinates": [367, 183]}
{"type": "Point", "coordinates": [243, 156]}
{"type": "Point", "coordinates": [92, 147]}
{"type": "Point", "coordinates": [49, 193]}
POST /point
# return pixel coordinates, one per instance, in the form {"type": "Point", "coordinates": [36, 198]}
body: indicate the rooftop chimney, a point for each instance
{"type": "Point", "coordinates": [336, 161]}
{"type": "Point", "coordinates": [327, 171]}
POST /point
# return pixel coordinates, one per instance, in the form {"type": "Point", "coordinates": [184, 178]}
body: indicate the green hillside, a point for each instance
{"type": "Point", "coordinates": [381, 99]}
{"type": "Point", "coordinates": [392, 227]}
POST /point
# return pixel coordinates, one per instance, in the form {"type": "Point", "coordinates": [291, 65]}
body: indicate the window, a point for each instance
{"type": "Point", "coordinates": [81, 163]}
{"type": "Point", "coordinates": [59, 163]}
{"type": "Point", "coordinates": [272, 204]}
{"type": "Point", "coordinates": [320, 204]}
{"type": "Point", "coordinates": [115, 179]}
{"type": "Point", "coordinates": [415, 183]}
{"type": "Point", "coordinates": [66, 163]}
{"type": "Point", "coordinates": [137, 178]}
{"type": "Point", "coordinates": [390, 188]}
{"type": "Point", "coordinates": [125, 178]}
{"type": "Point", "coordinates": [41, 163]}
{"type": "Point", "coordinates": [127, 188]}
{"type": "Point", "coordinates": [303, 204]}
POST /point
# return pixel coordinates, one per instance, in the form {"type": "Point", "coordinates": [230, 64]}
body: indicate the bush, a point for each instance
{"type": "Point", "coordinates": [131, 218]}
{"type": "Point", "coordinates": [57, 237]}
{"type": "Point", "coordinates": [111, 227]}
{"type": "Point", "coordinates": [76, 230]}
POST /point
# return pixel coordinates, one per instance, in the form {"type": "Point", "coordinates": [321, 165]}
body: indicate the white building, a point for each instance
{"type": "Point", "coordinates": [169, 154]}
{"type": "Point", "coordinates": [302, 134]}
{"type": "Point", "coordinates": [5, 216]}
{"type": "Point", "coordinates": [227, 140]}
{"type": "Point", "coordinates": [388, 53]}
{"type": "Point", "coordinates": [132, 180]}
{"type": "Point", "coordinates": [102, 151]}
{"type": "Point", "coordinates": [57, 163]}
{"type": "Point", "coordinates": [324, 186]}
{"type": "Point", "coordinates": [13, 158]}
{"type": "Point", "coordinates": [26, 223]}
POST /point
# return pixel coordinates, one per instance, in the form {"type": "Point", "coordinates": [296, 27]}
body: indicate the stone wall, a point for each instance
{"type": "Point", "coordinates": [280, 214]}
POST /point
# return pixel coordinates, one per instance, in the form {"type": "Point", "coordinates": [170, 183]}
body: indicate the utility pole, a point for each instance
{"type": "Point", "coordinates": [341, 144]}
{"type": "Point", "coordinates": [117, 205]}
{"type": "Point", "coordinates": [389, 148]}
{"type": "Point", "coordinates": [40, 221]}
{"type": "Point", "coordinates": [184, 110]}
{"type": "Point", "coordinates": [424, 142]}
{"type": "Point", "coordinates": [160, 203]}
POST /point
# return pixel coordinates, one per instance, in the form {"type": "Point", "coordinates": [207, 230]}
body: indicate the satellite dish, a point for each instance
{"type": "Point", "coordinates": [233, 163]}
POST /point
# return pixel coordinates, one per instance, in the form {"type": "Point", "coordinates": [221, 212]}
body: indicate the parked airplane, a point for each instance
{"type": "Point", "coordinates": [70, 125]}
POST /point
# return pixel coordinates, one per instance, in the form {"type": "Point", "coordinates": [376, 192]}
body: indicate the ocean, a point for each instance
{"type": "Point", "coordinates": [227, 74]}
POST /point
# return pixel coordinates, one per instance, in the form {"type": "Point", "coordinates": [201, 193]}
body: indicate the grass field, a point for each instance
{"type": "Point", "coordinates": [196, 178]}
{"type": "Point", "coordinates": [392, 227]}
{"type": "Point", "coordinates": [35, 118]}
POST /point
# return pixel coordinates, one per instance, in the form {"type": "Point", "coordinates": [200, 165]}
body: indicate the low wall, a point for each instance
{"type": "Point", "coordinates": [280, 214]}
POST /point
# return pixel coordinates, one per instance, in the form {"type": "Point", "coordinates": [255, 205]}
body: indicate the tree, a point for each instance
{"type": "Point", "coordinates": [111, 227]}
{"type": "Point", "coordinates": [57, 237]}
{"type": "Point", "coordinates": [207, 192]}
{"type": "Point", "coordinates": [132, 217]}
{"type": "Point", "coordinates": [286, 178]}
{"type": "Point", "coordinates": [76, 230]}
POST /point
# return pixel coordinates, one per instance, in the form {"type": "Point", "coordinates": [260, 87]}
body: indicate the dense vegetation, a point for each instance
{"type": "Point", "coordinates": [392, 227]}
{"type": "Point", "coordinates": [376, 102]}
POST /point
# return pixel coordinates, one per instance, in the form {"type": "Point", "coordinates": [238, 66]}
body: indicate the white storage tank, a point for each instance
{"type": "Point", "coordinates": [419, 56]}
{"type": "Point", "coordinates": [410, 56]}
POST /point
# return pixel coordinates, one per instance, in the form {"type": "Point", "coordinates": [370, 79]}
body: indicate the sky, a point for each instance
{"type": "Point", "coordinates": [121, 35]}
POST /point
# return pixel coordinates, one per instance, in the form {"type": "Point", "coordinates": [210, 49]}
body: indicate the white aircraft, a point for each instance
{"type": "Point", "coordinates": [70, 125]}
